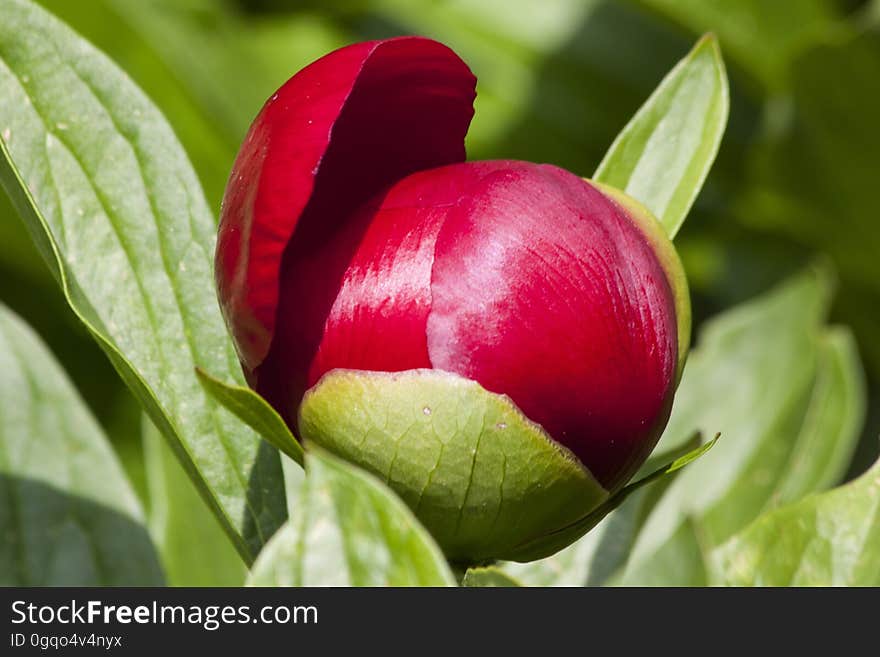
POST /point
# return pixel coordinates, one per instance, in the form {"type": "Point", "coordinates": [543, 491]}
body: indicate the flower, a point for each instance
{"type": "Point", "coordinates": [355, 236]}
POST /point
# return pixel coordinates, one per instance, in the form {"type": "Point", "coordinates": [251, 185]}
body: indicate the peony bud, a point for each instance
{"type": "Point", "coordinates": [500, 341]}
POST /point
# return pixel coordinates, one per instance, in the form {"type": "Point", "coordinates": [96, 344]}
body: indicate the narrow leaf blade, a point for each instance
{"type": "Point", "coordinates": [255, 412]}
{"type": "Point", "coordinates": [663, 155]}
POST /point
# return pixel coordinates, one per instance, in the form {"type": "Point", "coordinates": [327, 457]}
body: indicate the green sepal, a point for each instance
{"type": "Point", "coordinates": [547, 545]}
{"type": "Point", "coordinates": [478, 474]}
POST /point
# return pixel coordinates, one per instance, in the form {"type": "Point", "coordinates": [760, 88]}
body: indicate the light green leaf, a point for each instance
{"type": "Point", "coordinates": [598, 555]}
{"type": "Point", "coordinates": [113, 203]}
{"type": "Point", "coordinates": [681, 561]}
{"type": "Point", "coordinates": [255, 412]}
{"type": "Point", "coordinates": [488, 577]}
{"type": "Point", "coordinates": [663, 155]}
{"type": "Point", "coordinates": [829, 539]}
{"type": "Point", "coordinates": [194, 549]}
{"type": "Point", "coordinates": [767, 360]}
{"type": "Point", "coordinates": [832, 422]}
{"type": "Point", "coordinates": [68, 515]}
{"type": "Point", "coordinates": [349, 529]}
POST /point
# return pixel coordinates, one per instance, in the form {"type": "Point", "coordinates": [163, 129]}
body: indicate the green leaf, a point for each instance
{"type": "Point", "coordinates": [349, 530]}
{"type": "Point", "coordinates": [121, 30]}
{"type": "Point", "coordinates": [488, 577]}
{"type": "Point", "coordinates": [110, 198]}
{"type": "Point", "coordinates": [767, 361]}
{"type": "Point", "coordinates": [478, 473]}
{"type": "Point", "coordinates": [832, 422]}
{"type": "Point", "coordinates": [194, 548]}
{"type": "Point", "coordinates": [829, 539]}
{"type": "Point", "coordinates": [69, 515]}
{"type": "Point", "coordinates": [663, 155]}
{"type": "Point", "coordinates": [255, 412]}
{"type": "Point", "coordinates": [681, 561]}
{"type": "Point", "coordinates": [594, 558]}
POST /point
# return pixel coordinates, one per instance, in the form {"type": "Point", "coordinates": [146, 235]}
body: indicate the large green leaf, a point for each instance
{"type": "Point", "coordinates": [114, 28]}
{"type": "Point", "coordinates": [349, 529]}
{"type": "Point", "coordinates": [781, 377]}
{"type": "Point", "coordinates": [69, 516]}
{"type": "Point", "coordinates": [663, 155]}
{"type": "Point", "coordinates": [192, 544]}
{"type": "Point", "coordinates": [680, 561]}
{"type": "Point", "coordinates": [829, 539]}
{"type": "Point", "coordinates": [113, 203]}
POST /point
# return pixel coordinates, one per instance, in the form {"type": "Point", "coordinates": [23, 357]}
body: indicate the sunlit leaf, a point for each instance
{"type": "Point", "coordinates": [828, 539]}
{"type": "Point", "coordinates": [111, 199]}
{"type": "Point", "coordinates": [349, 529]}
{"type": "Point", "coordinates": [663, 155]}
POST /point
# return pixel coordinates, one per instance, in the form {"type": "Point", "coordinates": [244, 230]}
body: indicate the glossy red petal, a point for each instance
{"type": "Point", "coordinates": [545, 290]}
{"type": "Point", "coordinates": [362, 300]}
{"type": "Point", "coordinates": [331, 137]}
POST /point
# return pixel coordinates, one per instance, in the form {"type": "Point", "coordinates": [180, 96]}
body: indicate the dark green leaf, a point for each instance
{"type": "Point", "coordinates": [349, 529]}
{"type": "Point", "coordinates": [69, 515]}
{"type": "Point", "coordinates": [113, 203]}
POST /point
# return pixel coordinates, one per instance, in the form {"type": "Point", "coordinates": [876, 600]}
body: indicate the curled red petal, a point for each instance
{"type": "Point", "coordinates": [332, 136]}
{"type": "Point", "coordinates": [362, 300]}
{"type": "Point", "coordinates": [545, 290]}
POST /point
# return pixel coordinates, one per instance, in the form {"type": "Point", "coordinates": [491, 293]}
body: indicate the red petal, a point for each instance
{"type": "Point", "coordinates": [362, 301]}
{"type": "Point", "coordinates": [332, 136]}
{"type": "Point", "coordinates": [545, 290]}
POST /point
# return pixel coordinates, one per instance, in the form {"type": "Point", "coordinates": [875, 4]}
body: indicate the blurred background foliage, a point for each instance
{"type": "Point", "coordinates": [795, 179]}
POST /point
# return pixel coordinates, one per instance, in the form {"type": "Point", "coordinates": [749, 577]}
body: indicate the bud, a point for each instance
{"type": "Point", "coordinates": [500, 341]}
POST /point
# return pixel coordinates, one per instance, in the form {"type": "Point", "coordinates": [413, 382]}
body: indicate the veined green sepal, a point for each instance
{"type": "Point", "coordinates": [481, 476]}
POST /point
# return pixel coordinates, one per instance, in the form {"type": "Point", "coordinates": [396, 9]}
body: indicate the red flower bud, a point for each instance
{"type": "Point", "coordinates": [353, 235]}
